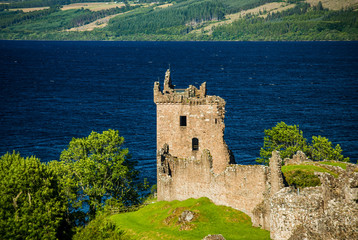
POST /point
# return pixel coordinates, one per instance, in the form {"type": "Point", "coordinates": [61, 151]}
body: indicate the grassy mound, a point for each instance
{"type": "Point", "coordinates": [343, 165]}
{"type": "Point", "coordinates": [303, 175]}
{"type": "Point", "coordinates": [162, 220]}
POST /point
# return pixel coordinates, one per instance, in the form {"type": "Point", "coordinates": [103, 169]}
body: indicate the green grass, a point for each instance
{"type": "Point", "coordinates": [307, 168]}
{"type": "Point", "coordinates": [336, 164]}
{"type": "Point", "coordinates": [160, 221]}
{"type": "Point", "coordinates": [302, 176]}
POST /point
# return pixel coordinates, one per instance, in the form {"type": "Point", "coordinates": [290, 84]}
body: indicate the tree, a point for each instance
{"type": "Point", "coordinates": [289, 139]}
{"type": "Point", "coordinates": [96, 170]}
{"type": "Point", "coordinates": [321, 149]}
{"type": "Point", "coordinates": [284, 138]}
{"type": "Point", "coordinates": [30, 204]}
{"type": "Point", "coordinates": [319, 6]}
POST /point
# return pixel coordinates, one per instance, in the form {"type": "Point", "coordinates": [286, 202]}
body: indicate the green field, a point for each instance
{"type": "Point", "coordinates": [160, 220]}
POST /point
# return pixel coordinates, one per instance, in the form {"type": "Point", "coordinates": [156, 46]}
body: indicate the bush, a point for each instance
{"type": "Point", "coordinates": [102, 227]}
{"type": "Point", "coordinates": [302, 179]}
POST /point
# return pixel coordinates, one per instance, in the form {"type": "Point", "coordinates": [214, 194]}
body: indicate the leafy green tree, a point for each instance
{"type": "Point", "coordinates": [284, 138]}
{"type": "Point", "coordinates": [94, 170]}
{"type": "Point", "coordinates": [30, 204]}
{"type": "Point", "coordinates": [102, 227]}
{"type": "Point", "coordinates": [321, 149]}
{"type": "Point", "coordinates": [289, 139]}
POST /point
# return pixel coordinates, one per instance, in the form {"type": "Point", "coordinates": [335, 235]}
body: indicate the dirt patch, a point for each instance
{"type": "Point", "coordinates": [262, 10]}
{"type": "Point", "coordinates": [99, 23]}
{"type": "Point", "coordinates": [335, 4]}
{"type": "Point", "coordinates": [176, 218]}
{"type": "Point", "coordinates": [164, 5]}
{"type": "Point", "coordinates": [29, 9]}
{"type": "Point", "coordinates": [95, 6]}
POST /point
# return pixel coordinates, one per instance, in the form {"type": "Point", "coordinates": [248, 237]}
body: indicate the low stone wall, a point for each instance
{"type": "Point", "coordinates": [329, 211]}
{"type": "Point", "coordinates": [240, 187]}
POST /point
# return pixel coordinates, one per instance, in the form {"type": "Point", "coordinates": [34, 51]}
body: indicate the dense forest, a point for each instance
{"type": "Point", "coordinates": [179, 20]}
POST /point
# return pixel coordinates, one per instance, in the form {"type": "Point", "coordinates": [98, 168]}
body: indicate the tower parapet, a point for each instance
{"type": "Point", "coordinates": [188, 96]}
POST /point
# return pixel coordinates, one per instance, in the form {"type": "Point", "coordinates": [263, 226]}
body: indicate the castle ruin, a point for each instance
{"type": "Point", "coordinates": [194, 161]}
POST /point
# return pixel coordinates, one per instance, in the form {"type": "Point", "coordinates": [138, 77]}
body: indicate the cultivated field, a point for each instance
{"type": "Point", "coordinates": [335, 4]}
{"type": "Point", "coordinates": [99, 23]}
{"type": "Point", "coordinates": [164, 5]}
{"type": "Point", "coordinates": [29, 9]}
{"type": "Point", "coordinates": [95, 6]}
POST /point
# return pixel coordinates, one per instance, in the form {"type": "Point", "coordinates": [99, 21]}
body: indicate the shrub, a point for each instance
{"type": "Point", "coordinates": [302, 179]}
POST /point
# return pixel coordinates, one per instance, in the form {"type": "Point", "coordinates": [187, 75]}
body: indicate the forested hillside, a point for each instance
{"type": "Point", "coordinates": [243, 20]}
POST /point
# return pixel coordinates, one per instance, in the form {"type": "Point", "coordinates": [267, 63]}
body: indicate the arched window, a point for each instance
{"type": "Point", "coordinates": [195, 144]}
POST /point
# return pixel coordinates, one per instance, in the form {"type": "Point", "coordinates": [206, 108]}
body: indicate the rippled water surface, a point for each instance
{"type": "Point", "coordinates": [53, 91]}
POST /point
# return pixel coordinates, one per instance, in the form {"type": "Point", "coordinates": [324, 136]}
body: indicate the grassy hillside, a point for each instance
{"type": "Point", "coordinates": [181, 20]}
{"type": "Point", "coordinates": [161, 221]}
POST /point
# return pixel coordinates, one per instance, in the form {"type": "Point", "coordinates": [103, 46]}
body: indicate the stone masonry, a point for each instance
{"type": "Point", "coordinates": [194, 161]}
{"type": "Point", "coordinates": [188, 115]}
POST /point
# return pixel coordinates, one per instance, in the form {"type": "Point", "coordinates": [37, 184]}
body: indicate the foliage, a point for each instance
{"type": "Point", "coordinates": [300, 23]}
{"type": "Point", "coordinates": [289, 139]}
{"type": "Point", "coordinates": [55, 19]}
{"type": "Point", "coordinates": [171, 21]}
{"type": "Point", "coordinates": [31, 206]}
{"type": "Point", "coordinates": [321, 149]}
{"type": "Point", "coordinates": [302, 179]}
{"type": "Point", "coordinates": [302, 176]}
{"type": "Point", "coordinates": [160, 220]}
{"type": "Point", "coordinates": [102, 227]}
{"type": "Point", "coordinates": [94, 170]}
{"type": "Point", "coordinates": [41, 3]}
{"type": "Point", "coordinates": [284, 138]}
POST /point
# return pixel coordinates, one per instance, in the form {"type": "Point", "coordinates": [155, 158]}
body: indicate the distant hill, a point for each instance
{"type": "Point", "coordinates": [188, 20]}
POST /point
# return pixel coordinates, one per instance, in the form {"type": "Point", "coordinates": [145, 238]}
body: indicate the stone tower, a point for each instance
{"type": "Point", "coordinates": [189, 122]}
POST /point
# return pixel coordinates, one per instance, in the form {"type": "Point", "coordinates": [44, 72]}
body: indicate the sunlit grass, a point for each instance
{"type": "Point", "coordinates": [308, 168]}
{"type": "Point", "coordinates": [336, 164]}
{"type": "Point", "coordinates": [160, 221]}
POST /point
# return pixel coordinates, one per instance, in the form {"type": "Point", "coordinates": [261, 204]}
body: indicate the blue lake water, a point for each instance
{"type": "Point", "coordinates": [53, 91]}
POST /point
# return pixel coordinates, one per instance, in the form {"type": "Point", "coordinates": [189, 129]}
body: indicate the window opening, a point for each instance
{"type": "Point", "coordinates": [183, 121]}
{"type": "Point", "coordinates": [195, 144]}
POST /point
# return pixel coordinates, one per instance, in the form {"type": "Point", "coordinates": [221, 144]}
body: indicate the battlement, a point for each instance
{"type": "Point", "coordinates": [188, 96]}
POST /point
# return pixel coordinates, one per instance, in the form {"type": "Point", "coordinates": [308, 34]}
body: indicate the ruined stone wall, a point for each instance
{"type": "Point", "coordinates": [328, 212]}
{"type": "Point", "coordinates": [203, 117]}
{"type": "Point", "coordinates": [184, 172]}
{"type": "Point", "coordinates": [238, 186]}
{"type": "Point", "coordinates": [202, 122]}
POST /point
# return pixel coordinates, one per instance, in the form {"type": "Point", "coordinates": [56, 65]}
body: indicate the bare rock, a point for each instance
{"type": "Point", "coordinates": [298, 158]}
{"type": "Point", "coordinates": [214, 237]}
{"type": "Point", "coordinates": [186, 216]}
